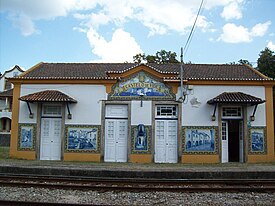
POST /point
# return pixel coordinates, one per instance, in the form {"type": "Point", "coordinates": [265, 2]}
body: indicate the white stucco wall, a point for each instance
{"type": "Point", "coordinates": [87, 110]}
{"type": "Point", "coordinates": [6, 75]}
{"type": "Point", "coordinates": [201, 115]}
{"type": "Point", "coordinates": [141, 115]}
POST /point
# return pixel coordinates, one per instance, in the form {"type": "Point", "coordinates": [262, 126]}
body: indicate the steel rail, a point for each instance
{"type": "Point", "coordinates": [132, 184]}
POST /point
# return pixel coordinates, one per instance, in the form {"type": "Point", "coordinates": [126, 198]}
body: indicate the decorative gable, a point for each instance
{"type": "Point", "coordinates": [141, 84]}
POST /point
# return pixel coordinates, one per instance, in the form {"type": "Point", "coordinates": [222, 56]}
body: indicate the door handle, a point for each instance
{"type": "Point", "coordinates": [52, 141]}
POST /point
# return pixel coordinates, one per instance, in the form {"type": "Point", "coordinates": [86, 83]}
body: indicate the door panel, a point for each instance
{"type": "Point", "coordinates": [50, 148]}
{"type": "Point", "coordinates": [224, 141]}
{"type": "Point", "coordinates": [116, 140]}
{"type": "Point", "coordinates": [166, 141]}
{"type": "Point", "coordinates": [121, 141]}
{"type": "Point", "coordinates": [160, 146]}
{"type": "Point", "coordinates": [171, 141]}
{"type": "Point", "coordinates": [109, 141]}
{"type": "Point", "coordinates": [241, 141]}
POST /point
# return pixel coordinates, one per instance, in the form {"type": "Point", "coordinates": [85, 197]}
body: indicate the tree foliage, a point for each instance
{"type": "Point", "coordinates": [244, 61]}
{"type": "Point", "coordinates": [241, 61]}
{"type": "Point", "coordinates": [161, 57]}
{"type": "Point", "coordinates": [266, 62]}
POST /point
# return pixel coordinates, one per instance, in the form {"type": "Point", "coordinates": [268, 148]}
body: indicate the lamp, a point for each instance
{"type": "Point", "coordinates": [141, 99]}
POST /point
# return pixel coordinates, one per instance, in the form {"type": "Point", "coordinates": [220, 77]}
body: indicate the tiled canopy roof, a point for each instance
{"type": "Point", "coordinates": [235, 97]}
{"type": "Point", "coordinates": [7, 93]}
{"type": "Point", "coordinates": [102, 71]}
{"type": "Point", "coordinates": [48, 96]}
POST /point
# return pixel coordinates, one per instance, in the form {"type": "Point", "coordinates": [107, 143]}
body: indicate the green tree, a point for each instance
{"type": "Point", "coordinates": [161, 57]}
{"type": "Point", "coordinates": [138, 58]}
{"type": "Point", "coordinates": [244, 61]}
{"type": "Point", "coordinates": [266, 62]}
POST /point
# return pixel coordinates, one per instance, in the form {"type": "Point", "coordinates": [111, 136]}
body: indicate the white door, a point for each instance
{"type": "Point", "coordinates": [116, 140]}
{"type": "Point", "coordinates": [166, 141]}
{"type": "Point", "coordinates": [116, 133]}
{"type": "Point", "coordinates": [50, 147]}
{"type": "Point", "coordinates": [241, 141]}
{"type": "Point", "coordinates": [224, 141]}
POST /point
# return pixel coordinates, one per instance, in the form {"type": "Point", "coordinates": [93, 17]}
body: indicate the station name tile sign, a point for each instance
{"type": "Point", "coordinates": [141, 84]}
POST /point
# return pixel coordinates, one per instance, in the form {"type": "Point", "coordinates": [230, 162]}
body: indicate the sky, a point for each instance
{"type": "Point", "coordinates": [33, 31]}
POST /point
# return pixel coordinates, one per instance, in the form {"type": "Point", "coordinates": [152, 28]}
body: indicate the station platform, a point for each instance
{"type": "Point", "coordinates": [134, 170]}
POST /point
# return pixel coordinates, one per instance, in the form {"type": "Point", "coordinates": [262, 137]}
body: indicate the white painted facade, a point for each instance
{"type": "Point", "coordinates": [89, 98]}
{"type": "Point", "coordinates": [87, 110]}
{"type": "Point", "coordinates": [200, 114]}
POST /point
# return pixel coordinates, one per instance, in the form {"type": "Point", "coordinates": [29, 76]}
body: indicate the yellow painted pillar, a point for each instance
{"type": "Point", "coordinates": [269, 123]}
{"type": "Point", "coordinates": [15, 119]}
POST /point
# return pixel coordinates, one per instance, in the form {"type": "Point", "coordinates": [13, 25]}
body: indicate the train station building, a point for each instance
{"type": "Point", "coordinates": [143, 113]}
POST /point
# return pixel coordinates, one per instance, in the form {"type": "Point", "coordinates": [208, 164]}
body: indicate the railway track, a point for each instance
{"type": "Point", "coordinates": [132, 185]}
{"type": "Point", "coordinates": [139, 184]}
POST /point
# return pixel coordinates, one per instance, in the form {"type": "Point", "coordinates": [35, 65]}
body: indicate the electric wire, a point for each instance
{"type": "Point", "coordinates": [189, 39]}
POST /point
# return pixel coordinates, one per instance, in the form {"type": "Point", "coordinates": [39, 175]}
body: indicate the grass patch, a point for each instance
{"type": "Point", "coordinates": [4, 152]}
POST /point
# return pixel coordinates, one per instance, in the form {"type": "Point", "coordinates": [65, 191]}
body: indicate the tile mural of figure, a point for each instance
{"type": "Point", "coordinates": [82, 138]}
{"type": "Point", "coordinates": [200, 140]}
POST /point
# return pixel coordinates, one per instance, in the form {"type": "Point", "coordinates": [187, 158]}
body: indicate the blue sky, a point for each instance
{"type": "Point", "coordinates": [33, 31]}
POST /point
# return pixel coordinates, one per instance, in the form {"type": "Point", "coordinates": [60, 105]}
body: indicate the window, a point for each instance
{"type": "Point", "coordinates": [51, 110]}
{"type": "Point", "coordinates": [166, 111]}
{"type": "Point", "coordinates": [232, 112]}
{"type": "Point", "coordinates": [15, 74]}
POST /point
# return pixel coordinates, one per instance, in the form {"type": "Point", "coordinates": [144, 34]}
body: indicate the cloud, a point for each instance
{"type": "Point", "coordinates": [24, 23]}
{"type": "Point", "coordinates": [238, 34]}
{"type": "Point", "coordinates": [232, 11]}
{"type": "Point", "coordinates": [160, 17]}
{"type": "Point", "coordinates": [260, 29]}
{"type": "Point", "coordinates": [271, 45]}
{"type": "Point", "coordinates": [22, 14]}
{"type": "Point", "coordinates": [122, 47]}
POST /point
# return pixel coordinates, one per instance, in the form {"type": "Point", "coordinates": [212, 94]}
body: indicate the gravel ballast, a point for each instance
{"type": "Point", "coordinates": [134, 198]}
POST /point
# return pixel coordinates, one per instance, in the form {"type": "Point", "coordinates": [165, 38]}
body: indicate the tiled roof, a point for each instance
{"type": "Point", "coordinates": [48, 96]}
{"type": "Point", "coordinates": [7, 93]}
{"type": "Point", "coordinates": [235, 97]}
{"type": "Point", "coordinates": [102, 71]}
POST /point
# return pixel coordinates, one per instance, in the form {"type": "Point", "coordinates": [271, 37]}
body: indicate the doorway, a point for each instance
{"type": "Point", "coordinates": [232, 141]}
{"type": "Point", "coordinates": [116, 133]}
{"type": "Point", "coordinates": [166, 134]}
{"type": "Point", "coordinates": [51, 125]}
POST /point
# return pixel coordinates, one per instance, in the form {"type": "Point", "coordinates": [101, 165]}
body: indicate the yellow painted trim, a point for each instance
{"type": "Point", "coordinates": [31, 69]}
{"type": "Point", "coordinates": [15, 118]}
{"type": "Point", "coordinates": [82, 157]}
{"type": "Point", "coordinates": [269, 157]}
{"type": "Point", "coordinates": [26, 155]}
{"type": "Point", "coordinates": [200, 158]}
{"type": "Point", "coordinates": [256, 71]}
{"type": "Point", "coordinates": [231, 82]}
{"type": "Point", "coordinates": [64, 81]}
{"type": "Point", "coordinates": [140, 158]}
{"type": "Point", "coordinates": [174, 86]}
{"type": "Point", "coordinates": [141, 68]}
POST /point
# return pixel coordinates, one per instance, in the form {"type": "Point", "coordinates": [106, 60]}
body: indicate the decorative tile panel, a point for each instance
{"type": "Point", "coordinates": [257, 140]}
{"type": "Point", "coordinates": [200, 140]}
{"type": "Point", "coordinates": [26, 137]}
{"type": "Point", "coordinates": [141, 140]}
{"type": "Point", "coordinates": [82, 138]}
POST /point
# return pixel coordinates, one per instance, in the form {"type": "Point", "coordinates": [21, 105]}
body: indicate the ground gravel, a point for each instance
{"type": "Point", "coordinates": [134, 198]}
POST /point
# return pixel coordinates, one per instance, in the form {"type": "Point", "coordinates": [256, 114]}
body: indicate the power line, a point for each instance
{"type": "Point", "coordinates": [192, 30]}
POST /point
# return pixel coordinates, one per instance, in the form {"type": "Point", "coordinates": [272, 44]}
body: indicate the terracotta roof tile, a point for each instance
{"type": "Point", "coordinates": [101, 71]}
{"type": "Point", "coordinates": [48, 96]}
{"type": "Point", "coordinates": [235, 97]}
{"type": "Point", "coordinates": [7, 93]}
